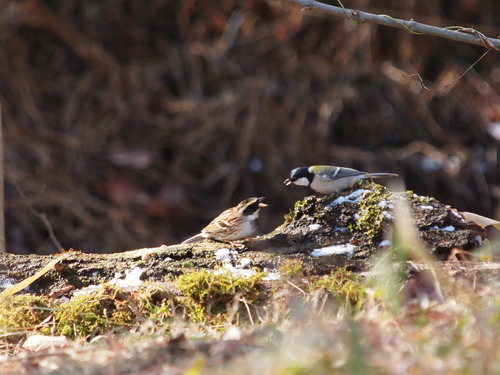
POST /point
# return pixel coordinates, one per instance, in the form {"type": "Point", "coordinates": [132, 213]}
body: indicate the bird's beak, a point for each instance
{"type": "Point", "coordinates": [262, 205]}
{"type": "Point", "coordinates": [287, 182]}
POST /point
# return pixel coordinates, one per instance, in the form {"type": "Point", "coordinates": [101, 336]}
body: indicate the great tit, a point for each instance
{"type": "Point", "coordinates": [328, 179]}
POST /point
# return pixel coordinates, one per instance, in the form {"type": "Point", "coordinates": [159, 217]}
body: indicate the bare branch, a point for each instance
{"type": "Point", "coordinates": [458, 33]}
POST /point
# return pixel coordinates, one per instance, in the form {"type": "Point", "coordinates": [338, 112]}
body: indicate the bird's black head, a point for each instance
{"type": "Point", "coordinates": [251, 206]}
{"type": "Point", "coordinates": [300, 176]}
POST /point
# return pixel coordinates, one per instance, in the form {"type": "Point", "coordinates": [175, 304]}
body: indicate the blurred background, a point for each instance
{"type": "Point", "coordinates": [132, 124]}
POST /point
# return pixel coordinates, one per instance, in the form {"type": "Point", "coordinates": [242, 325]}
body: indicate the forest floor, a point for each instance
{"type": "Point", "coordinates": [377, 322]}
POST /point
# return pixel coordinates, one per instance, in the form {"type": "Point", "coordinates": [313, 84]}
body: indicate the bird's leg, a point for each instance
{"type": "Point", "coordinates": [237, 245]}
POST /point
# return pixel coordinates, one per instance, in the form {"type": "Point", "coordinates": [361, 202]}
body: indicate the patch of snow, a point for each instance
{"type": "Point", "coordinates": [426, 207]}
{"type": "Point", "coordinates": [341, 229]}
{"type": "Point", "coordinates": [314, 227]}
{"type": "Point", "coordinates": [132, 279]}
{"type": "Point", "coordinates": [224, 255]}
{"type": "Point", "coordinates": [6, 282]}
{"type": "Point", "coordinates": [479, 240]}
{"type": "Point", "coordinates": [347, 249]}
{"type": "Point", "coordinates": [354, 197]}
{"type": "Point", "coordinates": [271, 275]}
{"type": "Point", "coordinates": [387, 215]}
{"type": "Point", "coordinates": [245, 262]}
{"type": "Point", "coordinates": [87, 290]}
{"type": "Point", "coordinates": [449, 228]}
{"type": "Point", "coordinates": [235, 272]}
{"type": "Point", "coordinates": [386, 204]}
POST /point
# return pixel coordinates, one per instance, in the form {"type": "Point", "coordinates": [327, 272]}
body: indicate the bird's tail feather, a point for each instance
{"type": "Point", "coordinates": [199, 237]}
{"type": "Point", "coordinates": [381, 174]}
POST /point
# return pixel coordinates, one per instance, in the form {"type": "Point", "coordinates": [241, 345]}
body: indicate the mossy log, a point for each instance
{"type": "Point", "coordinates": [345, 230]}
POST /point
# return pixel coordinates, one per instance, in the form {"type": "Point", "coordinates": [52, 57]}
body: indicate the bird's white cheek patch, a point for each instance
{"type": "Point", "coordinates": [303, 181]}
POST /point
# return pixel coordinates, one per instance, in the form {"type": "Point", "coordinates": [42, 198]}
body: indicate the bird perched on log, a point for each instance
{"type": "Point", "coordinates": [233, 224]}
{"type": "Point", "coordinates": [328, 179]}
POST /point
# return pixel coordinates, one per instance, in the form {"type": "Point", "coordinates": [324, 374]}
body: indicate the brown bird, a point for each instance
{"type": "Point", "coordinates": [233, 224]}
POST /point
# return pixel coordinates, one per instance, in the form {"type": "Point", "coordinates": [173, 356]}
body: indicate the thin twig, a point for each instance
{"type": "Point", "coordinates": [248, 310]}
{"type": "Point", "coordinates": [296, 287]}
{"type": "Point", "coordinates": [450, 83]}
{"type": "Point", "coordinates": [457, 33]}
{"type": "Point", "coordinates": [42, 217]}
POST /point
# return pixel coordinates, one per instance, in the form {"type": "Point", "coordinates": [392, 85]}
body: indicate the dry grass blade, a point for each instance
{"type": "Point", "coordinates": [26, 282]}
{"type": "Point", "coordinates": [411, 245]}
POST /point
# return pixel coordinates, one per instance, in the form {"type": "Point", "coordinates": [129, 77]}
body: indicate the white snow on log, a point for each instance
{"type": "Point", "coordinates": [6, 282]}
{"type": "Point", "coordinates": [87, 290]}
{"type": "Point", "coordinates": [344, 249]}
{"type": "Point", "coordinates": [132, 279]}
{"type": "Point", "coordinates": [479, 240]}
{"type": "Point", "coordinates": [314, 227]}
{"type": "Point", "coordinates": [387, 215]}
{"type": "Point", "coordinates": [245, 262]}
{"type": "Point", "coordinates": [224, 255]}
{"type": "Point", "coordinates": [235, 272]}
{"type": "Point", "coordinates": [341, 229]}
{"type": "Point", "coordinates": [386, 204]}
{"type": "Point", "coordinates": [354, 197]}
{"type": "Point", "coordinates": [449, 228]}
{"type": "Point", "coordinates": [271, 275]}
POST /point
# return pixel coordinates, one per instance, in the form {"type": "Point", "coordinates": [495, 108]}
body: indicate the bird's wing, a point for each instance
{"type": "Point", "coordinates": [337, 173]}
{"type": "Point", "coordinates": [221, 224]}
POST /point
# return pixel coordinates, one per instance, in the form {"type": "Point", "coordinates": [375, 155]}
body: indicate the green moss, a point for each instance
{"type": "Point", "coordinates": [156, 303]}
{"type": "Point", "coordinates": [187, 264]}
{"type": "Point", "coordinates": [207, 295]}
{"type": "Point", "coordinates": [421, 199]}
{"type": "Point", "coordinates": [327, 199]}
{"type": "Point", "coordinates": [92, 314]}
{"type": "Point", "coordinates": [22, 312]}
{"type": "Point", "coordinates": [297, 209]}
{"type": "Point", "coordinates": [345, 286]}
{"type": "Point", "coordinates": [371, 213]}
{"type": "Point", "coordinates": [291, 268]}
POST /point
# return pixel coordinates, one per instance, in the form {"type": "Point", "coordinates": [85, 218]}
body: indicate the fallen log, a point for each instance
{"type": "Point", "coordinates": [343, 230]}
